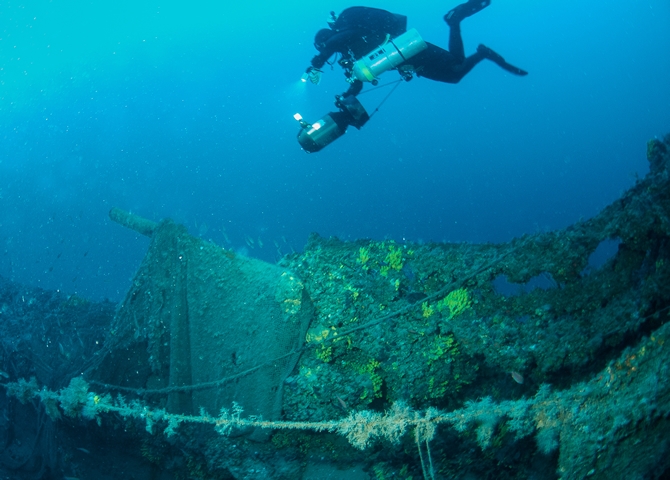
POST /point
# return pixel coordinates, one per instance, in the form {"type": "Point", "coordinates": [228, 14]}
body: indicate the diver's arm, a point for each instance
{"type": "Point", "coordinates": [328, 50]}
{"type": "Point", "coordinates": [354, 89]}
{"type": "Point", "coordinates": [340, 42]}
{"type": "Point", "coordinates": [318, 61]}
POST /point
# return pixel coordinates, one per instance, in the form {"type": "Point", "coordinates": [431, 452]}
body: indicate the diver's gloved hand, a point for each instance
{"type": "Point", "coordinates": [341, 101]}
{"type": "Point", "coordinates": [314, 75]}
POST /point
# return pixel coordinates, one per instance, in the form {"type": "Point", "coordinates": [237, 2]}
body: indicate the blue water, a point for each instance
{"type": "Point", "coordinates": [184, 110]}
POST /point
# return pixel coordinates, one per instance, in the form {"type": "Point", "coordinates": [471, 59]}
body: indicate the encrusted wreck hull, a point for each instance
{"type": "Point", "coordinates": [543, 357]}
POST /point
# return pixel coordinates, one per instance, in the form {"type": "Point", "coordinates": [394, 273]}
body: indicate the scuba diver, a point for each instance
{"type": "Point", "coordinates": [370, 41]}
{"type": "Point", "coordinates": [352, 34]}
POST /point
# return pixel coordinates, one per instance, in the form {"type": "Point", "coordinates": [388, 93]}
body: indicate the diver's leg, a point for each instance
{"type": "Point", "coordinates": [496, 58]}
{"type": "Point", "coordinates": [462, 69]}
{"type": "Point", "coordinates": [441, 65]}
{"type": "Point", "coordinates": [454, 18]}
{"type": "Point", "coordinates": [456, 41]}
{"type": "Point", "coordinates": [483, 52]}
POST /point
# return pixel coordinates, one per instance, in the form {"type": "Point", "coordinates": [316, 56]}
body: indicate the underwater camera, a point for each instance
{"type": "Point", "coordinates": [312, 137]}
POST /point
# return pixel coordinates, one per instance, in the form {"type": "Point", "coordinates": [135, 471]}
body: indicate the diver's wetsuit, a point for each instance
{"type": "Point", "coordinates": [358, 30]}
{"type": "Point", "coordinates": [441, 65]}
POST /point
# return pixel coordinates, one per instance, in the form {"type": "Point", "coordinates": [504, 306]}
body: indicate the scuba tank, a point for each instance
{"type": "Point", "coordinates": [387, 56]}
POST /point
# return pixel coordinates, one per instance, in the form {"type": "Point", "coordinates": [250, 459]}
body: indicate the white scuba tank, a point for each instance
{"type": "Point", "coordinates": [388, 56]}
